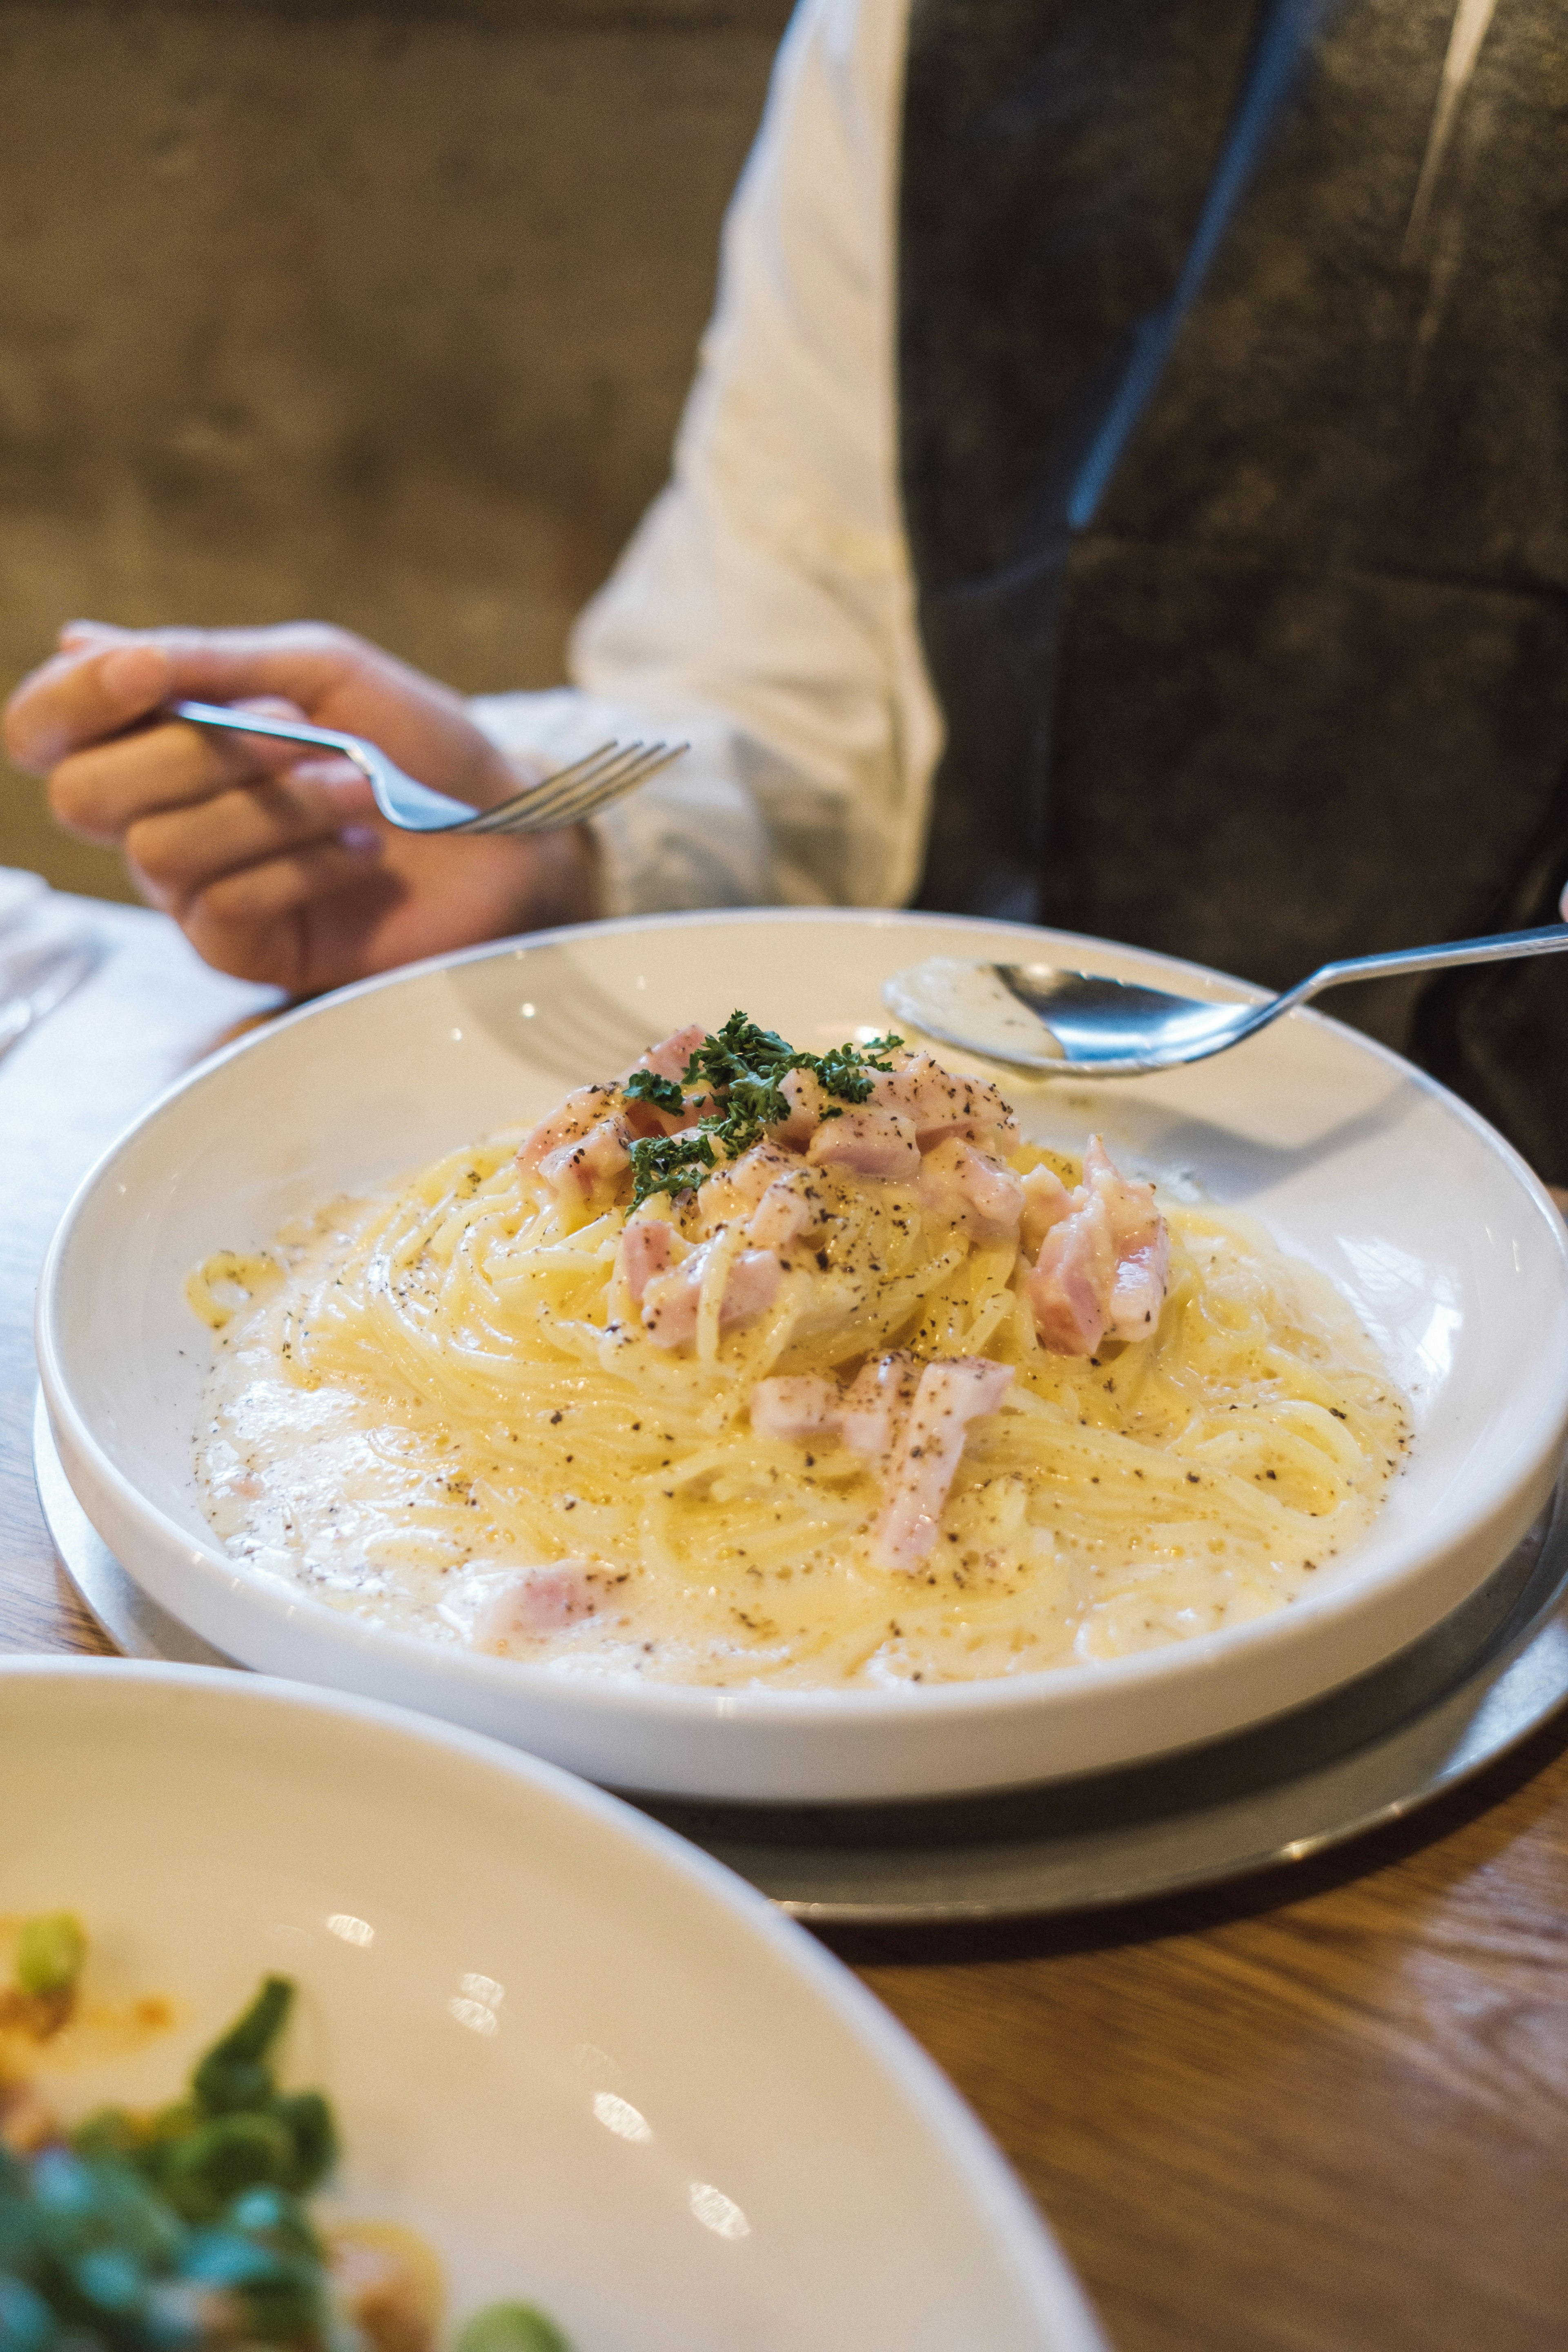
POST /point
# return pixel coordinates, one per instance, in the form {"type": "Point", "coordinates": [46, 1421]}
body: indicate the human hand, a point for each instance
{"type": "Point", "coordinates": [278, 866]}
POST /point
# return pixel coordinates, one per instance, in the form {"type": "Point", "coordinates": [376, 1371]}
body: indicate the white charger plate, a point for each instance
{"type": "Point", "coordinates": [1450, 1251]}
{"type": "Point", "coordinates": [589, 2065]}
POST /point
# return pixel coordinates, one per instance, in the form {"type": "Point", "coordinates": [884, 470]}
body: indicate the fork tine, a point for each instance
{"type": "Point", "coordinates": [539, 806]}
{"type": "Point", "coordinates": [566, 799]}
{"type": "Point", "coordinates": [588, 799]}
{"type": "Point", "coordinates": [581, 772]}
{"type": "Point", "coordinates": [606, 794]}
{"type": "Point", "coordinates": [588, 765]}
{"type": "Point", "coordinates": [608, 750]}
{"type": "Point", "coordinates": [611, 779]}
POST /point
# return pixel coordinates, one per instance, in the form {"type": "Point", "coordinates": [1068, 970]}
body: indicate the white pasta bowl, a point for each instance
{"type": "Point", "coordinates": [594, 2069]}
{"type": "Point", "coordinates": [1448, 1250]}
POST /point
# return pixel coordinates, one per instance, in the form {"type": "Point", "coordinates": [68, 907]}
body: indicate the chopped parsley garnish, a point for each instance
{"type": "Point", "coordinates": [647, 1086]}
{"type": "Point", "coordinates": [668, 1163]}
{"type": "Point", "coordinates": [745, 1068]}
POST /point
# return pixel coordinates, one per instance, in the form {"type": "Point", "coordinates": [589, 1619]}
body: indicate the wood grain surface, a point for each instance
{"type": "Point", "coordinates": [1326, 2111]}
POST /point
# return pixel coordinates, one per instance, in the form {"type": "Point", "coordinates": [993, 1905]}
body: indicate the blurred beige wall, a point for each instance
{"type": "Point", "coordinates": [378, 311]}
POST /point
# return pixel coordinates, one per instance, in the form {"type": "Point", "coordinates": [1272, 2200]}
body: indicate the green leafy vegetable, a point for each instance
{"type": "Point", "coordinates": [667, 1163]}
{"type": "Point", "coordinates": [50, 1954]}
{"type": "Point", "coordinates": [236, 2131]}
{"type": "Point", "coordinates": [647, 1086]}
{"type": "Point", "coordinates": [92, 2255]}
{"type": "Point", "coordinates": [510, 2327]}
{"type": "Point", "coordinates": [745, 1068]}
{"type": "Point", "coordinates": [235, 2075]}
{"type": "Point", "coordinates": [187, 2227]}
{"type": "Point", "coordinates": [150, 2233]}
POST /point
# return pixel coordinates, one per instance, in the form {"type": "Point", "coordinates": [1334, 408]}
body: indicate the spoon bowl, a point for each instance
{"type": "Point", "coordinates": [1052, 1020]}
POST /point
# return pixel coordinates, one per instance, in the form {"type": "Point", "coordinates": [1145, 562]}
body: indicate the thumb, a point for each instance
{"type": "Point", "coordinates": [77, 636]}
{"type": "Point", "coordinates": [83, 695]}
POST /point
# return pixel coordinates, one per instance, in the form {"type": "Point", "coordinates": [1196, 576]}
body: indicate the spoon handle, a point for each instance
{"type": "Point", "coordinates": [1551, 938]}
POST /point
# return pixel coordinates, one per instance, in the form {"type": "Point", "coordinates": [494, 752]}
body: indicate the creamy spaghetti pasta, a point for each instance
{"type": "Point", "coordinates": [494, 1404]}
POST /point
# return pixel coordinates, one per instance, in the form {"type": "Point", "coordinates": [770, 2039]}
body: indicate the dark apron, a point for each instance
{"type": "Point", "coordinates": [1238, 503]}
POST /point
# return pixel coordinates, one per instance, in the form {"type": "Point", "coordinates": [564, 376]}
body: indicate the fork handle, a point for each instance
{"type": "Point", "coordinates": [251, 722]}
{"type": "Point", "coordinates": [1499, 947]}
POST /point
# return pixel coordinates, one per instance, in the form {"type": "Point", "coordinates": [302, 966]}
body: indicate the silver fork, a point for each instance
{"type": "Point", "coordinates": [589, 784]}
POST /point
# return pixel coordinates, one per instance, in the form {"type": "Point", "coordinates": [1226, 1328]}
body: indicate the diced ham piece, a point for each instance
{"type": "Point", "coordinates": [940, 1190]}
{"type": "Point", "coordinates": [647, 1118]}
{"type": "Point", "coordinates": [1046, 1202]}
{"type": "Point", "coordinates": [868, 1143]}
{"type": "Point", "coordinates": [669, 1057]}
{"type": "Point", "coordinates": [770, 1188]}
{"type": "Point", "coordinates": [874, 1405]}
{"type": "Point", "coordinates": [644, 1253]}
{"type": "Point", "coordinates": [533, 1602]}
{"type": "Point", "coordinates": [806, 1103]}
{"type": "Point", "coordinates": [671, 1301]}
{"type": "Point", "coordinates": [787, 1210]}
{"type": "Point", "coordinates": [1141, 1242]}
{"type": "Point", "coordinates": [1103, 1268]}
{"type": "Point", "coordinates": [1142, 1275]}
{"type": "Point", "coordinates": [752, 1287]}
{"type": "Point", "coordinates": [943, 1102]}
{"type": "Point", "coordinates": [594, 1163]}
{"type": "Point", "coordinates": [735, 1191]}
{"type": "Point", "coordinates": [866, 1416]}
{"type": "Point", "coordinates": [964, 1187]}
{"type": "Point", "coordinates": [568, 1124]}
{"type": "Point", "coordinates": [669, 1307]}
{"type": "Point", "coordinates": [949, 1397]}
{"type": "Point", "coordinates": [1069, 1290]}
{"type": "Point", "coordinates": [798, 1407]}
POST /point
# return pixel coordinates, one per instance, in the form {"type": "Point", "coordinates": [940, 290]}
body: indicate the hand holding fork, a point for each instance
{"type": "Point", "coordinates": [282, 862]}
{"type": "Point", "coordinates": [605, 774]}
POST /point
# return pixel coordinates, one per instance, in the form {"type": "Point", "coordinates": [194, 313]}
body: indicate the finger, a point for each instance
{"type": "Point", "coordinates": [301, 659]}
{"type": "Point", "coordinates": [79, 697]}
{"type": "Point", "coordinates": [254, 923]}
{"type": "Point", "coordinates": [106, 679]}
{"type": "Point", "coordinates": [100, 791]}
{"type": "Point", "coordinates": [342, 681]}
{"type": "Point", "coordinates": [76, 635]}
{"type": "Point", "coordinates": [179, 853]}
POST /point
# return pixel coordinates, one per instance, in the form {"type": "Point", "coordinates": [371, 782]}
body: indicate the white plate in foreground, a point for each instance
{"type": "Point", "coordinates": [1450, 1251]}
{"type": "Point", "coordinates": [594, 2070]}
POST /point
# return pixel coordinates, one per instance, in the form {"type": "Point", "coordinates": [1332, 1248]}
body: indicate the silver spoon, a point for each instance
{"type": "Point", "coordinates": [1043, 1017]}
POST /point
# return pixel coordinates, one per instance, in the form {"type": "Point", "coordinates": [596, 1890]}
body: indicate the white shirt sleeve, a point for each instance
{"type": "Point", "coordinates": [764, 610]}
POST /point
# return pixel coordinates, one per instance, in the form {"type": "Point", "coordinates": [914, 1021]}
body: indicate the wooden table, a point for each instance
{"type": "Point", "coordinates": [1326, 2110]}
